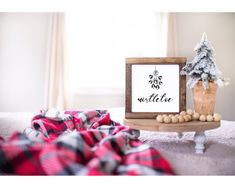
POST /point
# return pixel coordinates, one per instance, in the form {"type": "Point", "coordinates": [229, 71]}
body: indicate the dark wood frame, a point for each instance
{"type": "Point", "coordinates": [181, 61]}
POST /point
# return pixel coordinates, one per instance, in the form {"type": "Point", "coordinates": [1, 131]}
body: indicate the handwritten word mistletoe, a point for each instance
{"type": "Point", "coordinates": [203, 67]}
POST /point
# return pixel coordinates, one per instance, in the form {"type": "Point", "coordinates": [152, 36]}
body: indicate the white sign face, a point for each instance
{"type": "Point", "coordinates": [155, 88]}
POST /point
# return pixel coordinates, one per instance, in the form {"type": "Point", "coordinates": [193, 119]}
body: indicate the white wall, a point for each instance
{"type": "Point", "coordinates": [23, 38]}
{"type": "Point", "coordinates": [220, 29]}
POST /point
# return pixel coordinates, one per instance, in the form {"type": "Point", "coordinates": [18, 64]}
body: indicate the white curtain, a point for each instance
{"type": "Point", "coordinates": [55, 96]}
{"type": "Point", "coordinates": [168, 34]}
{"type": "Point", "coordinates": [172, 35]}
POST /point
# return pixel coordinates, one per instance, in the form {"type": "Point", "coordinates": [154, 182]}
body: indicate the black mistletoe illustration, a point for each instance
{"type": "Point", "coordinates": [155, 79]}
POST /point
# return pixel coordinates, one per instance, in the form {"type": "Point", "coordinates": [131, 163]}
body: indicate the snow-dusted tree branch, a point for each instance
{"type": "Point", "coordinates": [203, 67]}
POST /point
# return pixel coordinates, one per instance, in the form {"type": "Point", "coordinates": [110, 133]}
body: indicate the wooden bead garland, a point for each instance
{"type": "Point", "coordinates": [186, 116]}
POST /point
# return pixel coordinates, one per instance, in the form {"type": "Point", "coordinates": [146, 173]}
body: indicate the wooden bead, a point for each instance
{"type": "Point", "coordinates": [159, 119]}
{"type": "Point", "coordinates": [164, 115]}
{"type": "Point", "coordinates": [190, 112]}
{"type": "Point", "coordinates": [209, 118]}
{"type": "Point", "coordinates": [189, 117]}
{"type": "Point", "coordinates": [171, 115]}
{"type": "Point", "coordinates": [196, 116]}
{"type": "Point", "coordinates": [181, 119]}
{"type": "Point", "coordinates": [177, 115]}
{"type": "Point", "coordinates": [186, 118]}
{"type": "Point", "coordinates": [182, 113]}
{"type": "Point", "coordinates": [167, 119]}
{"type": "Point", "coordinates": [174, 119]}
{"type": "Point", "coordinates": [217, 117]}
{"type": "Point", "coordinates": [202, 118]}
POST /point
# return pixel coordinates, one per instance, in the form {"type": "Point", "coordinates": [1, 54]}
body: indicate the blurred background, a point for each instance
{"type": "Point", "coordinates": [76, 59]}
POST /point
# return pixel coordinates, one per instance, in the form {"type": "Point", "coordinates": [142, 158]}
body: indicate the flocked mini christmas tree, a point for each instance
{"type": "Point", "coordinates": [203, 67]}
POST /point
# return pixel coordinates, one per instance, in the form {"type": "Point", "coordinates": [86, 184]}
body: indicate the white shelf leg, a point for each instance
{"type": "Point", "coordinates": [199, 139]}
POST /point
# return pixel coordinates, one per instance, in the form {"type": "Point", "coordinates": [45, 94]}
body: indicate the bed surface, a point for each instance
{"type": "Point", "coordinates": [218, 159]}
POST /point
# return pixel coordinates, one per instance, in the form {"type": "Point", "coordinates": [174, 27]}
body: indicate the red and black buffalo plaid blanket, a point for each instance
{"type": "Point", "coordinates": [79, 143]}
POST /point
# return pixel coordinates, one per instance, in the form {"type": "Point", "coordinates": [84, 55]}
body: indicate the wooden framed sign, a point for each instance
{"type": "Point", "coordinates": [154, 86]}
